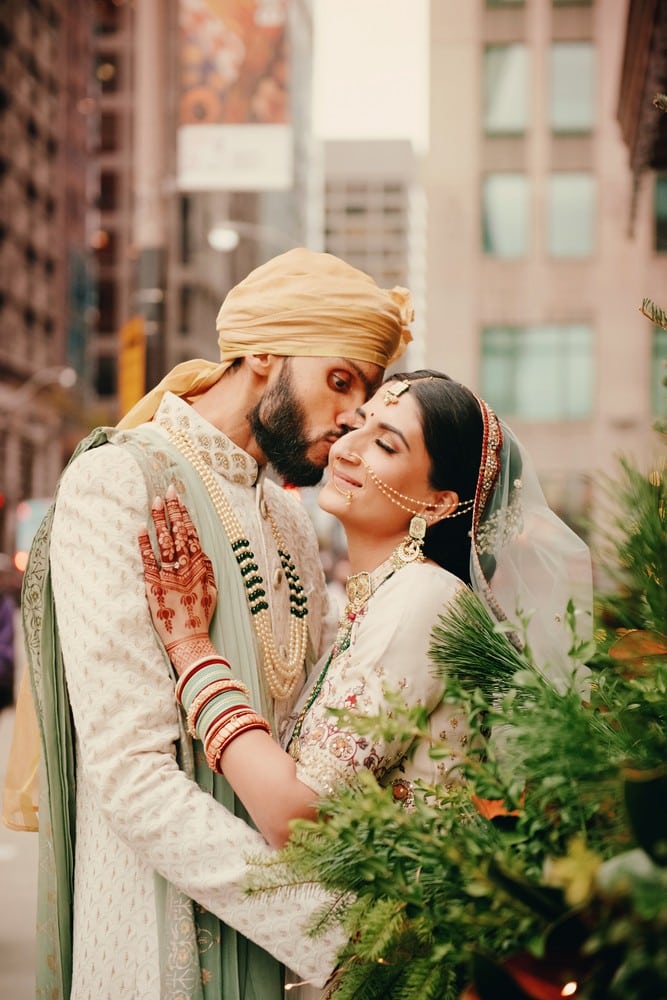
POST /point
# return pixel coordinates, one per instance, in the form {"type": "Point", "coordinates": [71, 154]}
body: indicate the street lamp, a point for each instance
{"type": "Point", "coordinates": [225, 236]}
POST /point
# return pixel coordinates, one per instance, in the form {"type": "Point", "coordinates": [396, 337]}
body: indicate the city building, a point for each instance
{"type": "Point", "coordinates": [111, 264]}
{"type": "Point", "coordinates": [45, 281]}
{"type": "Point", "coordinates": [374, 217]}
{"type": "Point", "coordinates": [529, 233]}
{"type": "Point", "coordinates": [644, 130]}
{"type": "Point", "coordinates": [111, 214]}
{"type": "Point", "coordinates": [540, 247]}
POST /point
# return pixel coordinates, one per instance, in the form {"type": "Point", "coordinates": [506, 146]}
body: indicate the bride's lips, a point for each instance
{"type": "Point", "coordinates": [342, 480]}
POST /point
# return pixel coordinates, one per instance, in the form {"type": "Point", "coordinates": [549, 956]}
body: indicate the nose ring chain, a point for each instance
{"type": "Point", "coordinates": [348, 494]}
{"type": "Point", "coordinates": [400, 499]}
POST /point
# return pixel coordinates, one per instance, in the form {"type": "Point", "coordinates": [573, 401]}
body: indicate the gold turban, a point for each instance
{"type": "Point", "coordinates": [300, 304]}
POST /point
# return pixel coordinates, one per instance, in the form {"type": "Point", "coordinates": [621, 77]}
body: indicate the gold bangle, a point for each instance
{"type": "Point", "coordinates": [247, 726]}
{"type": "Point", "coordinates": [242, 722]}
{"type": "Point", "coordinates": [209, 692]}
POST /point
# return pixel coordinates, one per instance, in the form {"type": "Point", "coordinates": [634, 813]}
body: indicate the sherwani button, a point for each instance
{"type": "Point", "coordinates": [278, 578]}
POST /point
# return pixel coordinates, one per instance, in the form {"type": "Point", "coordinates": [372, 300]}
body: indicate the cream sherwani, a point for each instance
{"type": "Point", "coordinates": [136, 811]}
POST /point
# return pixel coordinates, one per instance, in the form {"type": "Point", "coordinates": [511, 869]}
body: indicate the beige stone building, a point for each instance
{"type": "Point", "coordinates": [540, 246]}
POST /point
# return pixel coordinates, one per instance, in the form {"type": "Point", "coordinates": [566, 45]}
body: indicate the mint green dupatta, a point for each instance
{"type": "Point", "coordinates": [200, 957]}
{"type": "Point", "coordinates": [57, 783]}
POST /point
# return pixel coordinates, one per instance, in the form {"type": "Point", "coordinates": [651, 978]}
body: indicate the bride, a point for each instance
{"type": "Point", "coordinates": [435, 494]}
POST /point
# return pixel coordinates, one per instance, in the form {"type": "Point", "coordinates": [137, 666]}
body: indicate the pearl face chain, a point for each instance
{"type": "Point", "coordinates": [397, 498]}
{"type": "Point", "coordinates": [281, 672]}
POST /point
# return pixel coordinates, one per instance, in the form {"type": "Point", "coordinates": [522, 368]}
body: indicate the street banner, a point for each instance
{"type": "Point", "coordinates": [233, 128]}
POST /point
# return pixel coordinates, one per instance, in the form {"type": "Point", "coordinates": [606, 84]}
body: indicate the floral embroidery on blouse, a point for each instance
{"type": "Point", "coordinates": [383, 655]}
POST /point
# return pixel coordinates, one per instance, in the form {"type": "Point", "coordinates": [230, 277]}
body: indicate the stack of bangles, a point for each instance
{"type": "Point", "coordinates": [217, 706]}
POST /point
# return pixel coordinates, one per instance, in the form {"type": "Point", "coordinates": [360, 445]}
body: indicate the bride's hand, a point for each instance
{"type": "Point", "coordinates": [181, 589]}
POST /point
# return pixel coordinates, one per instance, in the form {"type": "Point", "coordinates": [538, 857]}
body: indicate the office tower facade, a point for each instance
{"type": "Point", "coordinates": [540, 248]}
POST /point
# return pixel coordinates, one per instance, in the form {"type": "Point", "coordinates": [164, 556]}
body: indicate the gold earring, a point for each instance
{"type": "Point", "coordinates": [411, 548]}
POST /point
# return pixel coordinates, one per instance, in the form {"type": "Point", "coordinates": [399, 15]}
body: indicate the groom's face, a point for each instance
{"type": "Point", "coordinates": [307, 407]}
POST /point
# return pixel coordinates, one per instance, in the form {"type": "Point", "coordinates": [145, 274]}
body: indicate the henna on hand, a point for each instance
{"type": "Point", "coordinates": [181, 589]}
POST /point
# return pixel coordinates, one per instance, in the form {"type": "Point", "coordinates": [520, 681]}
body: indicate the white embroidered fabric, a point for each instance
{"type": "Point", "coordinates": [388, 651]}
{"type": "Point", "coordinates": [136, 811]}
{"type": "Point", "coordinates": [527, 564]}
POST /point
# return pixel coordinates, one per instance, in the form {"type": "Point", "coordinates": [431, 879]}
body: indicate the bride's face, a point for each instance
{"type": "Point", "coordinates": [387, 440]}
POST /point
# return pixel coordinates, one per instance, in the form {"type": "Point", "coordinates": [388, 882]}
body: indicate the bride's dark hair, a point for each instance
{"type": "Point", "coordinates": [453, 429]}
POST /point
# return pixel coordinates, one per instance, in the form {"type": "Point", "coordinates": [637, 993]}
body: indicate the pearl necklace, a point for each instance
{"type": "Point", "coordinates": [281, 672]}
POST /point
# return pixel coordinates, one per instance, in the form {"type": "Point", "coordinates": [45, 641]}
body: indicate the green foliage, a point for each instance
{"type": "Point", "coordinates": [481, 654]}
{"type": "Point", "coordinates": [654, 313]}
{"type": "Point", "coordinates": [551, 847]}
{"type": "Point", "coordinates": [634, 550]}
{"type": "Point", "coordinates": [421, 891]}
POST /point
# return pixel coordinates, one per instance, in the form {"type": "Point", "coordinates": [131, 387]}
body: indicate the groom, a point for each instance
{"type": "Point", "coordinates": [143, 870]}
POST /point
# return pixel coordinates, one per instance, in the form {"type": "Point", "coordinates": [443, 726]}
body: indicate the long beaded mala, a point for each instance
{"type": "Point", "coordinates": [281, 672]}
{"type": "Point", "coordinates": [340, 645]}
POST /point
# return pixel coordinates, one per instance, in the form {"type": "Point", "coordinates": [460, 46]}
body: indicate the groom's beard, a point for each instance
{"type": "Point", "coordinates": [278, 423]}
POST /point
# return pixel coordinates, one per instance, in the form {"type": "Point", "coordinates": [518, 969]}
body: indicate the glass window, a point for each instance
{"type": "Point", "coordinates": [661, 213]}
{"type": "Point", "coordinates": [106, 72]}
{"type": "Point", "coordinates": [659, 373]}
{"type": "Point", "coordinates": [108, 196]}
{"type": "Point", "coordinates": [106, 376]}
{"type": "Point", "coordinates": [538, 373]}
{"type": "Point", "coordinates": [572, 89]}
{"type": "Point", "coordinates": [106, 304]}
{"type": "Point", "coordinates": [505, 89]}
{"type": "Point", "coordinates": [109, 131]}
{"type": "Point", "coordinates": [571, 215]}
{"type": "Point", "coordinates": [505, 215]}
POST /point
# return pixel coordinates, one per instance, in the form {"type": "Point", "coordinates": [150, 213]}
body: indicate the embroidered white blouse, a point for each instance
{"type": "Point", "coordinates": [387, 652]}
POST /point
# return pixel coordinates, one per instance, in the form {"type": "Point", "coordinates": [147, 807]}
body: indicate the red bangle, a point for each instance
{"type": "Point", "coordinates": [189, 672]}
{"type": "Point", "coordinates": [241, 723]}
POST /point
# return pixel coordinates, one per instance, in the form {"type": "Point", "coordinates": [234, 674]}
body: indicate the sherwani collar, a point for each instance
{"type": "Point", "coordinates": [217, 450]}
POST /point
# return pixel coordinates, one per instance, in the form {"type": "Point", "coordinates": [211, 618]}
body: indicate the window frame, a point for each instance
{"type": "Point", "coordinates": [509, 131]}
{"type": "Point", "coordinates": [514, 365]}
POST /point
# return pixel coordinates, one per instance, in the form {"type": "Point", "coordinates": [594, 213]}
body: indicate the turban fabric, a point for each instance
{"type": "Point", "coordinates": [300, 304]}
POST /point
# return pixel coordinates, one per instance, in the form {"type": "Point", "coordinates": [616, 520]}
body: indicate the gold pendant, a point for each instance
{"type": "Point", "coordinates": [358, 589]}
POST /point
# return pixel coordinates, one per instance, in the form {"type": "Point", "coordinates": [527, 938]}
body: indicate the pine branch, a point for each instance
{"type": "Point", "coordinates": [653, 312]}
{"type": "Point", "coordinates": [468, 645]}
{"type": "Point", "coordinates": [634, 549]}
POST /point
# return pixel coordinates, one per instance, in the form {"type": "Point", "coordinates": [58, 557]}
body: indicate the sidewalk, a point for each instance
{"type": "Point", "coordinates": [18, 895]}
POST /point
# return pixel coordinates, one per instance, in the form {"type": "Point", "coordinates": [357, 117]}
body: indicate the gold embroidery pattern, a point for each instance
{"type": "Point", "coordinates": [501, 526]}
{"type": "Point", "coordinates": [221, 454]}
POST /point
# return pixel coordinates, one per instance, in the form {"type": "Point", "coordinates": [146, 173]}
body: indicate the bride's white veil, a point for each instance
{"type": "Point", "coordinates": [526, 564]}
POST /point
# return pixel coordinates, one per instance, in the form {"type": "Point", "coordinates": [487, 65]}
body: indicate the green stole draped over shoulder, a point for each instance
{"type": "Point", "coordinates": [200, 957]}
